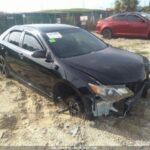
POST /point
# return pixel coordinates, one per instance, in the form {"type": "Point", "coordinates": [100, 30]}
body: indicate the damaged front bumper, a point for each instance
{"type": "Point", "coordinates": [120, 108]}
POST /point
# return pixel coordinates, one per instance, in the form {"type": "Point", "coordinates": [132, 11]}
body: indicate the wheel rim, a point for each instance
{"type": "Point", "coordinates": [2, 66]}
{"type": "Point", "coordinates": [74, 107]}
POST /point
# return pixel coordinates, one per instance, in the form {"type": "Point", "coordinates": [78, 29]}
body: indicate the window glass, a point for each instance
{"type": "Point", "coordinates": [6, 37]}
{"type": "Point", "coordinates": [30, 43]}
{"type": "Point", "coordinates": [14, 37]}
{"type": "Point", "coordinates": [74, 42]}
{"type": "Point", "coordinates": [145, 15]}
{"type": "Point", "coordinates": [134, 18]}
{"type": "Point", "coordinates": [119, 17]}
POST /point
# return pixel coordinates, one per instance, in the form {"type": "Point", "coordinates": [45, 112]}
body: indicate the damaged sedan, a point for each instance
{"type": "Point", "coordinates": [71, 65]}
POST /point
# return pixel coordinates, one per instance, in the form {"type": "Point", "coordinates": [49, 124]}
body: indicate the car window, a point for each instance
{"type": "Point", "coordinates": [14, 37]}
{"type": "Point", "coordinates": [119, 17]}
{"type": "Point", "coordinates": [74, 42]}
{"type": "Point", "coordinates": [6, 38]}
{"type": "Point", "coordinates": [134, 18]}
{"type": "Point", "coordinates": [31, 43]}
{"type": "Point", "coordinates": [146, 15]}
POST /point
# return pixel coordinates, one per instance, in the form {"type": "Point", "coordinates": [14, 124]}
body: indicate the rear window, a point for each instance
{"type": "Point", "coordinates": [134, 18]}
{"type": "Point", "coordinates": [119, 17]}
{"type": "Point", "coordinates": [14, 37]}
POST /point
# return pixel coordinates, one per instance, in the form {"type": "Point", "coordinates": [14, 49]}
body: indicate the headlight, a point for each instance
{"type": "Point", "coordinates": [110, 93]}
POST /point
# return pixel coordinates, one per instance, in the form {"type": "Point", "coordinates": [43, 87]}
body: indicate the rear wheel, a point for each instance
{"type": "Point", "coordinates": [3, 68]}
{"type": "Point", "coordinates": [107, 33]}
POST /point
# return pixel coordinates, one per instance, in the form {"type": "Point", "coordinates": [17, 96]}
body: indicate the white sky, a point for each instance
{"type": "Point", "coordinates": [34, 5]}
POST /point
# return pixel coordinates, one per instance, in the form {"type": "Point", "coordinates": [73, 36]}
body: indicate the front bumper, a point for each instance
{"type": "Point", "coordinates": [120, 108]}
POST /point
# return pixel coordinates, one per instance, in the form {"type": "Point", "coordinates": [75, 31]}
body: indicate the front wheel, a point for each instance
{"type": "Point", "coordinates": [107, 33]}
{"type": "Point", "coordinates": [3, 68]}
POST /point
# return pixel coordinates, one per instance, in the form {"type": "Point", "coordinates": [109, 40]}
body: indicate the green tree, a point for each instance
{"type": "Point", "coordinates": [126, 5]}
{"type": "Point", "coordinates": [146, 9]}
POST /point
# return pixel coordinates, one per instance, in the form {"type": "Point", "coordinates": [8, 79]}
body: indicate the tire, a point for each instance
{"type": "Point", "coordinates": [3, 67]}
{"type": "Point", "coordinates": [107, 33]}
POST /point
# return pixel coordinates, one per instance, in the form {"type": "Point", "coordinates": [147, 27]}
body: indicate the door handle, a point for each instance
{"type": "Point", "coordinates": [21, 56]}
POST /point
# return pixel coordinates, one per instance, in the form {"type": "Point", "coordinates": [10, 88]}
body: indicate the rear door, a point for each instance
{"type": "Point", "coordinates": [120, 25]}
{"type": "Point", "coordinates": [137, 26]}
{"type": "Point", "coordinates": [12, 47]}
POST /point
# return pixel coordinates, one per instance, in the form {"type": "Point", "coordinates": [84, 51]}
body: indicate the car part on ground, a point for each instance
{"type": "Point", "coordinates": [75, 106]}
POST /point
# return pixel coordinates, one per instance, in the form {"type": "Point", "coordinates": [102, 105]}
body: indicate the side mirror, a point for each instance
{"type": "Point", "coordinates": [48, 57]}
{"type": "Point", "coordinates": [39, 54]}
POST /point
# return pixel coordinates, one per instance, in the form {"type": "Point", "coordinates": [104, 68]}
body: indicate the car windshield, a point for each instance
{"type": "Point", "coordinates": [146, 15]}
{"type": "Point", "coordinates": [74, 42]}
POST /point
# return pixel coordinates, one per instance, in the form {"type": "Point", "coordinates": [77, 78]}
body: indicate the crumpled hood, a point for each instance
{"type": "Point", "coordinates": [110, 66]}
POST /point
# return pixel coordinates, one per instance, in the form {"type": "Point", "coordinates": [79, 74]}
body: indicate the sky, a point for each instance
{"type": "Point", "coordinates": [36, 5]}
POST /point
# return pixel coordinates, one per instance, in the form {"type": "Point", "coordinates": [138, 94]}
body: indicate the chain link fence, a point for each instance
{"type": "Point", "coordinates": [73, 18]}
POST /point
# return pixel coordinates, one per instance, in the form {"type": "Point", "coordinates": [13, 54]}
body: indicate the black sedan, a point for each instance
{"type": "Point", "coordinates": [72, 65]}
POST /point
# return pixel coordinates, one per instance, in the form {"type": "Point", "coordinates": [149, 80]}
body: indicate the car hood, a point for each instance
{"type": "Point", "coordinates": [110, 66]}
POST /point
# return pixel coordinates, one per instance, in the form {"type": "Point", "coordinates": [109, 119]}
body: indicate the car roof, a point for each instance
{"type": "Point", "coordinates": [45, 27]}
{"type": "Point", "coordinates": [128, 13]}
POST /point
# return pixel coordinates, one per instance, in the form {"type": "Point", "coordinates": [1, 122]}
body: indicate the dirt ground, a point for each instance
{"type": "Point", "coordinates": [29, 119]}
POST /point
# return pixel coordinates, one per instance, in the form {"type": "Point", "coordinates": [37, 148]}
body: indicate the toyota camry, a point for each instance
{"type": "Point", "coordinates": [71, 65]}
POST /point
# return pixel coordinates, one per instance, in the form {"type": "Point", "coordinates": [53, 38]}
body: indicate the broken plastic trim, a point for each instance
{"type": "Point", "coordinates": [101, 107]}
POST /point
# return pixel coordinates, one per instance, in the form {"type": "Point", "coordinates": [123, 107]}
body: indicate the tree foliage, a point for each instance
{"type": "Point", "coordinates": [146, 8]}
{"type": "Point", "coordinates": [126, 5]}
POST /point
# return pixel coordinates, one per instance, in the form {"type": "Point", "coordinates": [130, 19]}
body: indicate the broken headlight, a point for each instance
{"type": "Point", "coordinates": [111, 93]}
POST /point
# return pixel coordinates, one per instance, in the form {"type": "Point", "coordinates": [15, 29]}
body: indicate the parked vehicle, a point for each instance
{"type": "Point", "coordinates": [125, 25]}
{"type": "Point", "coordinates": [71, 64]}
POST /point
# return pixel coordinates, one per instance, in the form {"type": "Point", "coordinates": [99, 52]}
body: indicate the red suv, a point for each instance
{"type": "Point", "coordinates": [125, 24]}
